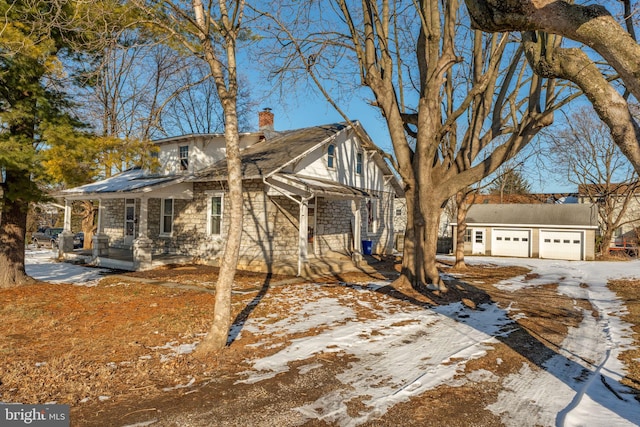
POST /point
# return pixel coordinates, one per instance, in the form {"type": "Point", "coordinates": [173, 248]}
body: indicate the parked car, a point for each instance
{"type": "Point", "coordinates": [78, 240]}
{"type": "Point", "coordinates": [46, 236]}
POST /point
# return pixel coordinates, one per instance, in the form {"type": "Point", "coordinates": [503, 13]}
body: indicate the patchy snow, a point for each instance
{"type": "Point", "coordinates": [41, 264]}
{"type": "Point", "coordinates": [403, 353]}
{"type": "Point", "coordinates": [409, 349]}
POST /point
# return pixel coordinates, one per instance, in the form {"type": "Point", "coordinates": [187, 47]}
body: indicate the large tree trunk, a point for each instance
{"type": "Point", "coordinates": [605, 244]}
{"type": "Point", "coordinates": [13, 229]}
{"type": "Point", "coordinates": [430, 249]}
{"type": "Point", "coordinates": [408, 272]}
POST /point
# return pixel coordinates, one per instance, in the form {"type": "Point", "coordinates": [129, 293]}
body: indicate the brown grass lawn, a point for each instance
{"type": "Point", "coordinates": [109, 350]}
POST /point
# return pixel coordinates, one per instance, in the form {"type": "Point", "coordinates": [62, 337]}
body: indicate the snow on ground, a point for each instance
{"type": "Point", "coordinates": [409, 349]}
{"type": "Point", "coordinates": [405, 352]}
{"type": "Point", "coordinates": [41, 264]}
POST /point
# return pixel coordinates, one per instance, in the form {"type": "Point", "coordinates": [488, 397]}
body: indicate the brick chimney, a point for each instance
{"type": "Point", "coordinates": [265, 120]}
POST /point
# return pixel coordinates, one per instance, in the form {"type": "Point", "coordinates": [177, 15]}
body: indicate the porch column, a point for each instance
{"type": "Point", "coordinates": [144, 218]}
{"type": "Point", "coordinates": [302, 234]}
{"type": "Point", "coordinates": [67, 215]}
{"type": "Point", "coordinates": [356, 223]}
{"type": "Point", "coordinates": [100, 241]}
{"type": "Point", "coordinates": [65, 239]}
{"type": "Point", "coordinates": [143, 245]}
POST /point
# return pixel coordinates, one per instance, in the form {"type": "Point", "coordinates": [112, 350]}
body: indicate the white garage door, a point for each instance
{"type": "Point", "coordinates": [561, 245]}
{"type": "Point", "coordinates": [505, 242]}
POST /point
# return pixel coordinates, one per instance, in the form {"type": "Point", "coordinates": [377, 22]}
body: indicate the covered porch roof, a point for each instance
{"type": "Point", "coordinates": [308, 187]}
{"type": "Point", "coordinates": [132, 183]}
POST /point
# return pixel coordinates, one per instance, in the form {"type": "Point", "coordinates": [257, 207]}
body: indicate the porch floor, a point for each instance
{"type": "Point", "coordinates": [122, 259]}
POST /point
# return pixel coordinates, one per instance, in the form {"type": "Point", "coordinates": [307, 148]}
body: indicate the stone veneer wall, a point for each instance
{"type": "Point", "coordinates": [113, 220]}
{"type": "Point", "coordinates": [269, 227]}
{"type": "Point", "coordinates": [333, 226]}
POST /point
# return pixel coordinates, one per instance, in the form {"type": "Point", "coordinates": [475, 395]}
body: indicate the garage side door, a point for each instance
{"type": "Point", "coordinates": [506, 242]}
{"type": "Point", "coordinates": [561, 245]}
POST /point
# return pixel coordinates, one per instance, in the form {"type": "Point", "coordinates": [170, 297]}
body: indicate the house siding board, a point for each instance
{"type": "Point", "coordinates": [344, 172]}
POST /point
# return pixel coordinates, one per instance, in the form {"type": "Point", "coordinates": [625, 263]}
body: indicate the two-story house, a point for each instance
{"type": "Point", "coordinates": [309, 194]}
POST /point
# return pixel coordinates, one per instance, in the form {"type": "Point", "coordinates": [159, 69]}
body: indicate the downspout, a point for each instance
{"type": "Point", "coordinates": [301, 203]}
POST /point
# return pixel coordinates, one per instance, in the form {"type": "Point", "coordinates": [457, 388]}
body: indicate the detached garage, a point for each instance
{"type": "Point", "coordinates": [554, 231]}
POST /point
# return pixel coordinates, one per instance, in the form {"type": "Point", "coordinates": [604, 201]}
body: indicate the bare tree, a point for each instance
{"type": "Point", "coordinates": [595, 27]}
{"type": "Point", "coordinates": [457, 103]}
{"type": "Point", "coordinates": [211, 32]}
{"type": "Point", "coordinates": [586, 156]}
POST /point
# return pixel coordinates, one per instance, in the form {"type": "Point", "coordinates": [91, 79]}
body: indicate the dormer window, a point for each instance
{"type": "Point", "coordinates": [359, 163]}
{"type": "Point", "coordinates": [184, 157]}
{"type": "Point", "coordinates": [331, 156]}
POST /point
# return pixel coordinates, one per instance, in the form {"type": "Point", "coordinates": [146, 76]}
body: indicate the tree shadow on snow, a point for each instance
{"type": "Point", "coordinates": [535, 348]}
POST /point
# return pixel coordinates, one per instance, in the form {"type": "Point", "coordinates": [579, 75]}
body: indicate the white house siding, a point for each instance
{"type": "Point", "coordinates": [204, 151]}
{"type": "Point", "coordinates": [383, 235]}
{"type": "Point", "coordinates": [344, 172]}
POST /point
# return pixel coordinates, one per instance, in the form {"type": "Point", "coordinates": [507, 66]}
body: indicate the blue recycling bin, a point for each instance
{"type": "Point", "coordinates": [367, 246]}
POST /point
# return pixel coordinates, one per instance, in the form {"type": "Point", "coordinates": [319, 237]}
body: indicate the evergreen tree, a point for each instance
{"type": "Point", "coordinates": [510, 182]}
{"type": "Point", "coordinates": [34, 116]}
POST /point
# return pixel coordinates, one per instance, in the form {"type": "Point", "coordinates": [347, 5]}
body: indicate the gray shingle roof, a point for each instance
{"type": "Point", "coordinates": [268, 156]}
{"type": "Point", "coordinates": [534, 214]}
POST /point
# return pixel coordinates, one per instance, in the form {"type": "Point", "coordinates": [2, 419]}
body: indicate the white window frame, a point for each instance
{"type": "Point", "coordinates": [331, 157]}
{"type": "Point", "coordinates": [210, 195]}
{"type": "Point", "coordinates": [359, 162]}
{"type": "Point", "coordinates": [183, 162]}
{"type": "Point", "coordinates": [164, 216]}
{"type": "Point", "coordinates": [373, 215]}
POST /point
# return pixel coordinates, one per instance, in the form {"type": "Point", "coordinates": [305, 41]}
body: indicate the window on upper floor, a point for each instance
{"type": "Point", "coordinates": [184, 157]}
{"type": "Point", "coordinates": [331, 156]}
{"type": "Point", "coordinates": [359, 162]}
{"type": "Point", "coordinates": [166, 218]}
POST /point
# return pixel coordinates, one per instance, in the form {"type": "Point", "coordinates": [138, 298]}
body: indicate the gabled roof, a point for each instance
{"type": "Point", "coordinates": [544, 214]}
{"type": "Point", "coordinates": [271, 155]}
{"type": "Point", "coordinates": [260, 160]}
{"type": "Point", "coordinates": [280, 149]}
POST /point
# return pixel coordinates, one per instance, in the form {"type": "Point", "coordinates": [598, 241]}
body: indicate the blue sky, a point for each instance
{"type": "Point", "coordinates": [312, 110]}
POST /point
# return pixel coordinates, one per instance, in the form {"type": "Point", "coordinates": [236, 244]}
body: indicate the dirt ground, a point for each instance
{"type": "Point", "coordinates": [104, 349]}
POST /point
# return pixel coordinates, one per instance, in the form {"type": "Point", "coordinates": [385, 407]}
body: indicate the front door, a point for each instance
{"type": "Point", "coordinates": [311, 227]}
{"type": "Point", "coordinates": [129, 221]}
{"type": "Point", "coordinates": [477, 243]}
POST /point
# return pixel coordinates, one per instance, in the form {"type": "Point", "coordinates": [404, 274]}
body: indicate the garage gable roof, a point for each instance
{"type": "Point", "coordinates": [534, 214]}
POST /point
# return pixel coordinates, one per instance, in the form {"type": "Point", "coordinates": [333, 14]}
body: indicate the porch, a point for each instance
{"type": "Point", "coordinates": [123, 259]}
